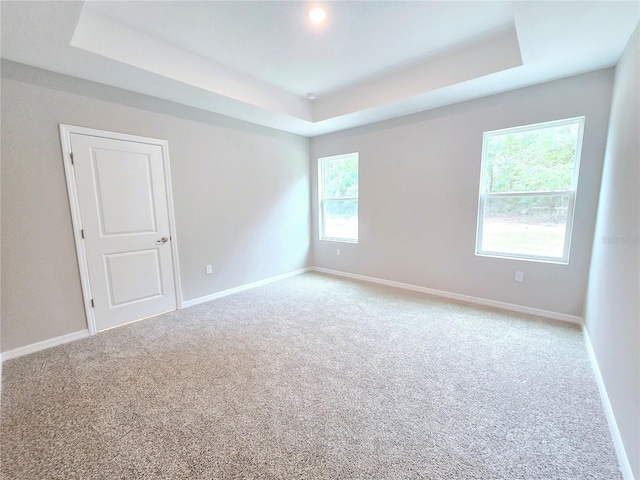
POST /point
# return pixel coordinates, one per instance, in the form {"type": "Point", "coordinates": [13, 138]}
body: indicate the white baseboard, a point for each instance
{"type": "Point", "coordinates": [625, 466]}
{"type": "Point", "coordinates": [241, 288]}
{"type": "Point", "coordinates": [36, 347]}
{"type": "Point", "coordinates": [457, 296]}
{"type": "Point", "coordinates": [52, 342]}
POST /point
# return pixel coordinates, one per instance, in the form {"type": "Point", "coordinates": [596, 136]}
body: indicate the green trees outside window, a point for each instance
{"type": "Point", "coordinates": [338, 197]}
{"type": "Point", "coordinates": [528, 188]}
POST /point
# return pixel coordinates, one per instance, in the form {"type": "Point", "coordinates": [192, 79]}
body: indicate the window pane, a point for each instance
{"type": "Point", "coordinates": [527, 226]}
{"type": "Point", "coordinates": [532, 160]}
{"type": "Point", "coordinates": [341, 177]}
{"type": "Point", "coordinates": [341, 219]}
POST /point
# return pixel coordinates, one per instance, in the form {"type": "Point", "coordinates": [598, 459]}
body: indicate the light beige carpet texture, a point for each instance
{"type": "Point", "coordinates": [313, 377]}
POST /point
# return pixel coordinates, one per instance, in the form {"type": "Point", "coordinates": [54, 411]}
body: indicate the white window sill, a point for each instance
{"type": "Point", "coordinates": [557, 261]}
{"type": "Point", "coordinates": [339, 240]}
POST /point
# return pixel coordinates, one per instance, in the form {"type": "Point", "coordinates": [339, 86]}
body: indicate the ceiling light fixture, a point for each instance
{"type": "Point", "coordinates": [311, 96]}
{"type": "Point", "coordinates": [317, 15]}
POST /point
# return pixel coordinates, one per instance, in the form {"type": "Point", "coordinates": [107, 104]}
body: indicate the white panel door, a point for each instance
{"type": "Point", "coordinates": [125, 221]}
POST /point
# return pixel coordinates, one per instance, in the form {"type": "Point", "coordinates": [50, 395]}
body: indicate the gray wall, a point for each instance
{"type": "Point", "coordinates": [241, 195]}
{"type": "Point", "coordinates": [612, 313]}
{"type": "Point", "coordinates": [419, 180]}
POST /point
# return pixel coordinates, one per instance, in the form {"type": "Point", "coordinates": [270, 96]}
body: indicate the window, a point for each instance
{"type": "Point", "coordinates": [528, 190]}
{"type": "Point", "coordinates": [338, 197]}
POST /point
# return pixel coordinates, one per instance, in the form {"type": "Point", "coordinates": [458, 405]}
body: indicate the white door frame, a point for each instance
{"type": "Point", "coordinates": [65, 138]}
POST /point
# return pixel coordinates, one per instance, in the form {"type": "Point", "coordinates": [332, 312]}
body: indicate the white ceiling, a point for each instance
{"type": "Point", "coordinates": [368, 61]}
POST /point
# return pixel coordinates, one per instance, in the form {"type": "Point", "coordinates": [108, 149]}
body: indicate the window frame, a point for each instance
{"type": "Point", "coordinates": [322, 200]}
{"type": "Point", "coordinates": [571, 193]}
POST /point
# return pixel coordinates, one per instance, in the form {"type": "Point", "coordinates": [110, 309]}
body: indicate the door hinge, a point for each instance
{"type": "Point", "coordinates": [92, 304]}
{"type": "Point", "coordinates": [82, 232]}
{"type": "Point", "coordinates": [71, 155]}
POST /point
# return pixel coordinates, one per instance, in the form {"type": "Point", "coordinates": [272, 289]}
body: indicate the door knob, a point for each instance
{"type": "Point", "coordinates": [162, 240]}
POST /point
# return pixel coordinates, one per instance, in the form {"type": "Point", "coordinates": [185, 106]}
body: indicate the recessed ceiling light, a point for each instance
{"type": "Point", "coordinates": [311, 96]}
{"type": "Point", "coordinates": [317, 15]}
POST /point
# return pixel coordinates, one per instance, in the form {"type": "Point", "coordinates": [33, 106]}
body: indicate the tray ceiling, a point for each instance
{"type": "Point", "coordinates": [369, 61]}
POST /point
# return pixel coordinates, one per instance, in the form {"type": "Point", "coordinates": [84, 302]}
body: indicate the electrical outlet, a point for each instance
{"type": "Point", "coordinates": [338, 251]}
{"type": "Point", "coordinates": [519, 276]}
{"type": "Point", "coordinates": [209, 269]}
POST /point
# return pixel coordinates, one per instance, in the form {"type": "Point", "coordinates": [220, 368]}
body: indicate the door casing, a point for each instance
{"type": "Point", "coordinates": [65, 138]}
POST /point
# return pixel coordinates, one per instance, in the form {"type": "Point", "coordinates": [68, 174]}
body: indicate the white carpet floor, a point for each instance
{"type": "Point", "coordinates": [313, 377]}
